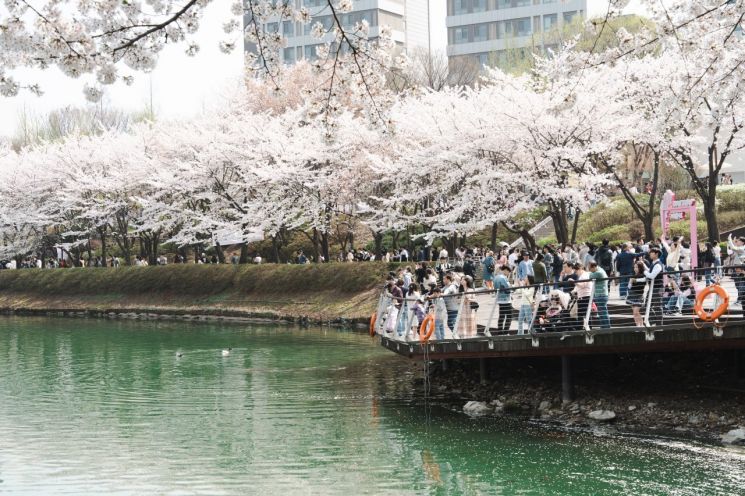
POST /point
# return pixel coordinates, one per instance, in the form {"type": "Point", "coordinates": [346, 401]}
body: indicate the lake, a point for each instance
{"type": "Point", "coordinates": [97, 406]}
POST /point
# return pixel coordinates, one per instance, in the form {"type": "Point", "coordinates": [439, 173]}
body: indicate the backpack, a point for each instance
{"type": "Point", "coordinates": [490, 266]}
{"type": "Point", "coordinates": [605, 258]}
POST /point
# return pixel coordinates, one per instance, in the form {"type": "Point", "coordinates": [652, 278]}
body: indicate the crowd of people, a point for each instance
{"type": "Point", "coordinates": [555, 288]}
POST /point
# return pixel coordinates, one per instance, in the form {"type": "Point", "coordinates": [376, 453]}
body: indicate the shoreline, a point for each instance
{"type": "Point", "coordinates": [704, 411]}
{"type": "Point", "coordinates": [194, 315]}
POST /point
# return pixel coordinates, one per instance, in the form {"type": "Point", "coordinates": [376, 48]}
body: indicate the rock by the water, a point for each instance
{"type": "Point", "coordinates": [476, 408]}
{"type": "Point", "coordinates": [632, 408]}
{"type": "Point", "coordinates": [735, 436]}
{"type": "Point", "coordinates": [545, 405]}
{"type": "Point", "coordinates": [602, 415]}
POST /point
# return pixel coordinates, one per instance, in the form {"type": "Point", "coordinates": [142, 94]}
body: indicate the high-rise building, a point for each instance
{"type": "Point", "coordinates": [408, 20]}
{"type": "Point", "coordinates": [488, 30]}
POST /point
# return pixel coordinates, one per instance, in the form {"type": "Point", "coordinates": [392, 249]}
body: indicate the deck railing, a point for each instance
{"type": "Point", "coordinates": [549, 308]}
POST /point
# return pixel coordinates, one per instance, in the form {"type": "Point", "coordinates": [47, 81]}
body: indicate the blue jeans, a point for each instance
{"type": "Point", "coordinates": [623, 286]}
{"type": "Point", "coordinates": [439, 329]}
{"type": "Point", "coordinates": [678, 303]}
{"type": "Point", "coordinates": [602, 303]}
{"type": "Point", "coordinates": [452, 317]}
{"type": "Point", "coordinates": [525, 316]}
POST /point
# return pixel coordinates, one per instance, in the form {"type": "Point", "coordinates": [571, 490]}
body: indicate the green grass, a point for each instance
{"type": "Point", "coordinates": [201, 280]}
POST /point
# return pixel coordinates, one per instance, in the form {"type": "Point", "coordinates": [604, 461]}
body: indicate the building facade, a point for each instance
{"type": "Point", "coordinates": [408, 19]}
{"type": "Point", "coordinates": [487, 30]}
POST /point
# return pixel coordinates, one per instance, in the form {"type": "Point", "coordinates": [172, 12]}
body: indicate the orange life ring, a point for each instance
{"type": "Point", "coordinates": [427, 328]}
{"type": "Point", "coordinates": [698, 307]}
{"type": "Point", "coordinates": [373, 319]}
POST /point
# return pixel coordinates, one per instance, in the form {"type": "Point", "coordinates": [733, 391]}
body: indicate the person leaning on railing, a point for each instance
{"type": "Point", "coordinates": [737, 249]}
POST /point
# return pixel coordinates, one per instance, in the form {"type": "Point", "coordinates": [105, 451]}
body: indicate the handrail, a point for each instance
{"type": "Point", "coordinates": [482, 291]}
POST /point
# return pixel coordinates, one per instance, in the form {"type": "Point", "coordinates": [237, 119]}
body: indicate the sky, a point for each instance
{"type": "Point", "coordinates": [180, 86]}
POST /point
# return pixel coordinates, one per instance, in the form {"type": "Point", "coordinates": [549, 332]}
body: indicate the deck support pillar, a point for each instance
{"type": "Point", "coordinates": [567, 382]}
{"type": "Point", "coordinates": [444, 365]}
{"type": "Point", "coordinates": [482, 371]}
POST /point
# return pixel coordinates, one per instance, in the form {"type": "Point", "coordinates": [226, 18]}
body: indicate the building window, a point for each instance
{"type": "Point", "coordinates": [287, 28]}
{"type": "Point", "coordinates": [460, 7]}
{"type": "Point", "coordinates": [288, 55]}
{"type": "Point", "coordinates": [504, 4]}
{"type": "Point", "coordinates": [569, 17]}
{"type": "Point", "coordinates": [523, 27]}
{"type": "Point", "coordinates": [310, 52]}
{"type": "Point", "coordinates": [550, 21]}
{"type": "Point", "coordinates": [479, 5]}
{"type": "Point", "coordinates": [522, 3]}
{"type": "Point", "coordinates": [272, 27]}
{"type": "Point", "coordinates": [480, 32]}
{"type": "Point", "coordinates": [549, 1]}
{"type": "Point", "coordinates": [483, 59]}
{"type": "Point", "coordinates": [460, 35]}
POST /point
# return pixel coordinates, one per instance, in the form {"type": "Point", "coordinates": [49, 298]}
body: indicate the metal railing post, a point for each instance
{"type": "Point", "coordinates": [495, 308]}
{"type": "Point", "coordinates": [537, 297]}
{"type": "Point", "coordinates": [650, 295]}
{"type": "Point", "coordinates": [588, 313]}
{"type": "Point", "coordinates": [458, 315]}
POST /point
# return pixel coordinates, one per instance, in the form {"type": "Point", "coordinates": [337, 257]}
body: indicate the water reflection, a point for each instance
{"type": "Point", "coordinates": [108, 407]}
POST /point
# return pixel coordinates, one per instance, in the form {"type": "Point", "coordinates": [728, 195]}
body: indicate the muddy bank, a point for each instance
{"type": "Point", "coordinates": [694, 395]}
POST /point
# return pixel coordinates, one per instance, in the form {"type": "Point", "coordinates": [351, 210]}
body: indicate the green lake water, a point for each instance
{"type": "Point", "coordinates": [106, 407]}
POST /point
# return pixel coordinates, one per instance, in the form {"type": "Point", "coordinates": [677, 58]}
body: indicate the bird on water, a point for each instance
{"type": "Point", "coordinates": [226, 352]}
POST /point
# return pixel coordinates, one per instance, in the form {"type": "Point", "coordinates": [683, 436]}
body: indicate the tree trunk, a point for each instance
{"type": "Point", "coordinates": [275, 248]}
{"type": "Point", "coordinates": [558, 214]}
{"type": "Point", "coordinates": [574, 227]}
{"type": "Point", "coordinates": [710, 212]}
{"type": "Point", "coordinates": [494, 236]}
{"type": "Point", "coordinates": [316, 245]}
{"type": "Point", "coordinates": [244, 254]}
{"type": "Point", "coordinates": [220, 254]}
{"type": "Point", "coordinates": [325, 246]}
{"type": "Point", "coordinates": [102, 236]}
{"type": "Point", "coordinates": [378, 237]}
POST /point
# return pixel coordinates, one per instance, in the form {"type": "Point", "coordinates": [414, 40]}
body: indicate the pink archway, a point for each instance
{"type": "Point", "coordinates": [672, 209]}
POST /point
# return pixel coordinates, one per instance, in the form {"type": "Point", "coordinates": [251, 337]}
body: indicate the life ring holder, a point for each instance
{"type": "Point", "coordinates": [373, 320]}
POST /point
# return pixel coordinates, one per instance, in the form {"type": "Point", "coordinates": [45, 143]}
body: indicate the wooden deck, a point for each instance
{"type": "Point", "coordinates": [684, 337]}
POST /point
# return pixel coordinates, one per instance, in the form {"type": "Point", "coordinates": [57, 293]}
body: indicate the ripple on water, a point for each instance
{"type": "Point", "coordinates": [107, 407]}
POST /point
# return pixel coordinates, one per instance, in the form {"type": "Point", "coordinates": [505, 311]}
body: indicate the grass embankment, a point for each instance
{"type": "Point", "coordinates": [320, 293]}
{"type": "Point", "coordinates": [614, 220]}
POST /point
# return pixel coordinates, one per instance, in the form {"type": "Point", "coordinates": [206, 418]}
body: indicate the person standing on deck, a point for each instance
{"type": "Point", "coordinates": [502, 285]}
{"type": "Point", "coordinates": [525, 267]}
{"type": "Point", "coordinates": [625, 265]}
{"type": "Point", "coordinates": [600, 296]}
{"type": "Point", "coordinates": [489, 265]}
{"type": "Point", "coordinates": [452, 303]}
{"type": "Point", "coordinates": [654, 275]}
{"type": "Point", "coordinates": [737, 249]}
{"type": "Point", "coordinates": [540, 275]}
